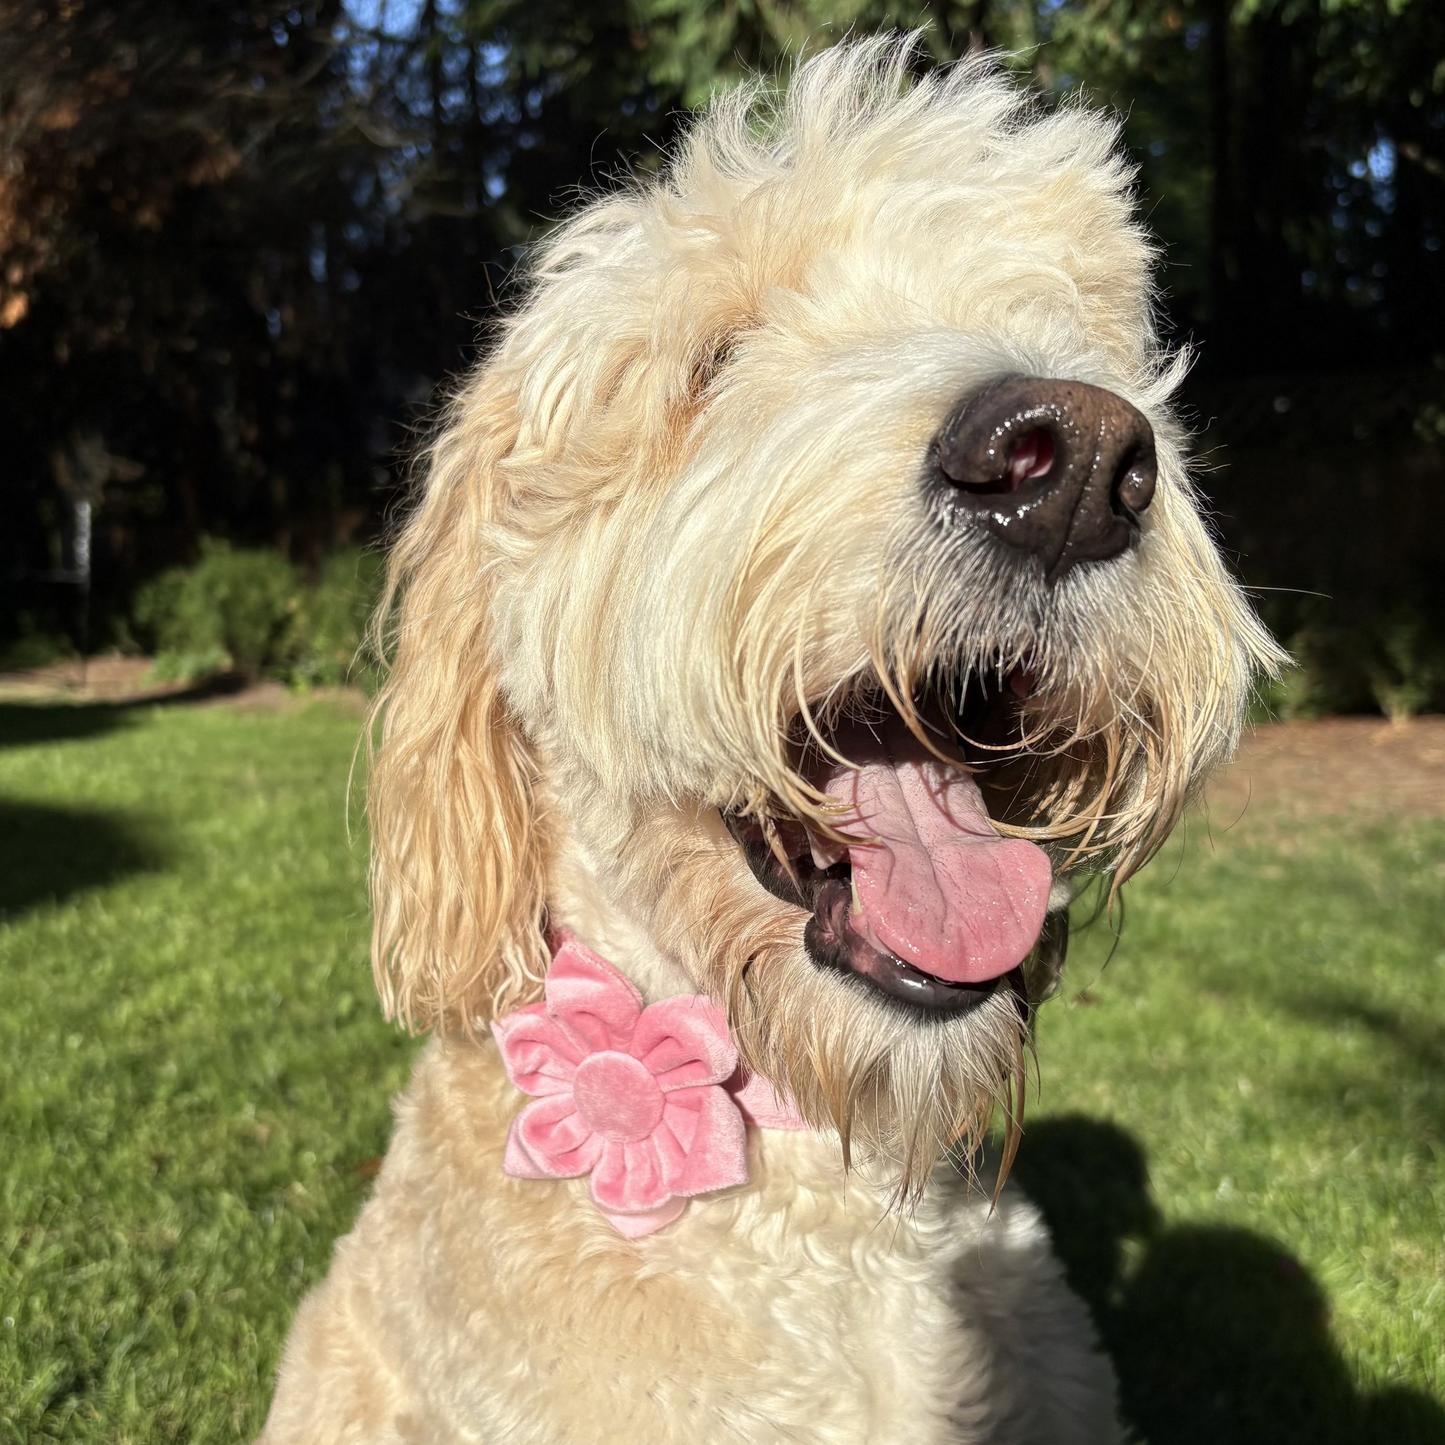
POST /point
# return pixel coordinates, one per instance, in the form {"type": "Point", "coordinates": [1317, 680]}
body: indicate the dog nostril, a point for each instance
{"type": "Point", "coordinates": [1026, 458]}
{"type": "Point", "coordinates": [1030, 457]}
{"type": "Point", "coordinates": [1134, 486]}
{"type": "Point", "coordinates": [1061, 469]}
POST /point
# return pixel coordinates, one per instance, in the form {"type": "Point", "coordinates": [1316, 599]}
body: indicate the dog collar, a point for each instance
{"type": "Point", "coordinates": [650, 1102]}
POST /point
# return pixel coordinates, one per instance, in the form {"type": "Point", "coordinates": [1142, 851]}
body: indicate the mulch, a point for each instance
{"type": "Point", "coordinates": [127, 681]}
{"type": "Point", "coordinates": [1361, 768]}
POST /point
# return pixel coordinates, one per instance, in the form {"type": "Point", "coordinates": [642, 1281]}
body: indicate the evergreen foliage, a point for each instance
{"type": "Point", "coordinates": [250, 612]}
{"type": "Point", "coordinates": [244, 242]}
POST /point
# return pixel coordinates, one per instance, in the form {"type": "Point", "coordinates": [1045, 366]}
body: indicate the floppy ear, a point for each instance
{"type": "Point", "coordinates": [457, 865]}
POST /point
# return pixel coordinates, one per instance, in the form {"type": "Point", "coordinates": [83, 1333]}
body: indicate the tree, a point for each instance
{"type": "Point", "coordinates": [243, 241]}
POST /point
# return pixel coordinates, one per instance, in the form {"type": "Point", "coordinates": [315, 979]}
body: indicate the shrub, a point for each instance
{"type": "Point", "coordinates": [1407, 668]}
{"type": "Point", "coordinates": [251, 612]}
{"type": "Point", "coordinates": [33, 648]}
{"type": "Point", "coordinates": [1393, 661]}
{"type": "Point", "coordinates": [330, 626]}
{"type": "Point", "coordinates": [232, 609]}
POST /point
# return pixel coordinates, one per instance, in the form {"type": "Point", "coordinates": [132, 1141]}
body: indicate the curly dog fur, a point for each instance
{"type": "Point", "coordinates": [672, 539]}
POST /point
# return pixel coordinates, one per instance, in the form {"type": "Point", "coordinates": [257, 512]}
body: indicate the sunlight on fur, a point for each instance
{"type": "Point", "coordinates": [804, 592]}
{"type": "Point", "coordinates": [675, 521]}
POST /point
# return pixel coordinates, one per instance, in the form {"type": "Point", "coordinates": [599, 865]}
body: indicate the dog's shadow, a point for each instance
{"type": "Point", "coordinates": [1217, 1335]}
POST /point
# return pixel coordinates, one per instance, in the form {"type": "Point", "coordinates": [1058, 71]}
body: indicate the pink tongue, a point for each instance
{"type": "Point", "coordinates": [939, 889]}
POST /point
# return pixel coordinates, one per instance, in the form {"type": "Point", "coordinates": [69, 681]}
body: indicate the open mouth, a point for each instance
{"type": "Point", "coordinates": [918, 895]}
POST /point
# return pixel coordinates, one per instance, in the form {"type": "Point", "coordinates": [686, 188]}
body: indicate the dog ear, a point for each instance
{"type": "Point", "coordinates": [457, 863]}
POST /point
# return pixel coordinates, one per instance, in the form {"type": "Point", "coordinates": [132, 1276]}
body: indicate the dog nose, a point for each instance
{"type": "Point", "coordinates": [1056, 468]}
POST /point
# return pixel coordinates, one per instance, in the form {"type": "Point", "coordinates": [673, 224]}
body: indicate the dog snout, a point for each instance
{"type": "Point", "coordinates": [1056, 468]}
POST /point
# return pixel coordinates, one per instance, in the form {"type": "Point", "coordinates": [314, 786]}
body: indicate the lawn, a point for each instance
{"type": "Point", "coordinates": [1238, 1142]}
{"type": "Point", "coordinates": [195, 1078]}
{"type": "Point", "coordinates": [1241, 1138]}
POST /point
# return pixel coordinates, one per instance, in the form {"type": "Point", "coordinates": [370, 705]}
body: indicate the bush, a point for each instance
{"type": "Point", "coordinates": [1393, 662]}
{"type": "Point", "coordinates": [232, 609]}
{"type": "Point", "coordinates": [330, 626]}
{"type": "Point", "coordinates": [1407, 673]}
{"type": "Point", "coordinates": [250, 612]}
{"type": "Point", "coordinates": [33, 648]}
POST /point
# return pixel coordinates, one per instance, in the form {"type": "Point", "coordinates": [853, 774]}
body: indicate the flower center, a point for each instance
{"type": "Point", "coordinates": [616, 1096]}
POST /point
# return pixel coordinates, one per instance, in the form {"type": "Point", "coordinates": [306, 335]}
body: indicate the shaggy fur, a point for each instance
{"type": "Point", "coordinates": [672, 531]}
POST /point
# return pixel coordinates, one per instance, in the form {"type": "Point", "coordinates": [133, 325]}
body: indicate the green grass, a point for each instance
{"type": "Point", "coordinates": [1241, 1138]}
{"type": "Point", "coordinates": [192, 1067]}
{"type": "Point", "coordinates": [1239, 1142]}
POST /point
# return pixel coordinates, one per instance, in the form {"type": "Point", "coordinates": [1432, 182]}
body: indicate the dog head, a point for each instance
{"type": "Point", "coordinates": [809, 583]}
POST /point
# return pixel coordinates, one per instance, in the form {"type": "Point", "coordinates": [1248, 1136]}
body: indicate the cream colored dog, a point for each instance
{"type": "Point", "coordinates": [805, 588]}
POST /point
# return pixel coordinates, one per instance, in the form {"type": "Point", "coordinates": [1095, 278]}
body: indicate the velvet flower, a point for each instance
{"type": "Point", "coordinates": [631, 1096]}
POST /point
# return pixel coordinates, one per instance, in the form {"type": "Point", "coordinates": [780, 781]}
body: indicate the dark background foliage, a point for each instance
{"type": "Point", "coordinates": [244, 244]}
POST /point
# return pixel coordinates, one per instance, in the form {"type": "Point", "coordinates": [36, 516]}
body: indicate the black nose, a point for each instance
{"type": "Point", "coordinates": [1056, 468]}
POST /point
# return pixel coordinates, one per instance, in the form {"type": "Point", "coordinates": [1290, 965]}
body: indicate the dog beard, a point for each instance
{"type": "Point", "coordinates": [901, 1084]}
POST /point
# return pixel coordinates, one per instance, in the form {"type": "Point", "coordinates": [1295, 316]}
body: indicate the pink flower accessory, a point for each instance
{"type": "Point", "coordinates": [633, 1096]}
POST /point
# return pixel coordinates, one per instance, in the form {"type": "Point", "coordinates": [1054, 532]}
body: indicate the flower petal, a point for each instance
{"type": "Point", "coordinates": [517, 1162]}
{"type": "Point", "coordinates": [556, 1139]}
{"type": "Point", "coordinates": [539, 1056]}
{"type": "Point", "coordinates": [712, 1141]}
{"type": "Point", "coordinates": [679, 1126]}
{"type": "Point", "coordinates": [684, 1042]}
{"type": "Point", "coordinates": [673, 1137]}
{"type": "Point", "coordinates": [594, 1003]}
{"type": "Point", "coordinates": [628, 1178]}
{"type": "Point", "coordinates": [634, 1226]}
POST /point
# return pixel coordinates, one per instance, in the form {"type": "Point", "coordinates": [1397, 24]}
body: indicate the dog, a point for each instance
{"type": "Point", "coordinates": [803, 593]}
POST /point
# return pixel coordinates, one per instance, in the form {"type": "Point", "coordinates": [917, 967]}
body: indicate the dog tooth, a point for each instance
{"type": "Point", "coordinates": [825, 851]}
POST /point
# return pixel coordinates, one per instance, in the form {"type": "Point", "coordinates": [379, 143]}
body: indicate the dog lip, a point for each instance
{"type": "Point", "coordinates": [764, 865]}
{"type": "Point", "coordinates": [832, 942]}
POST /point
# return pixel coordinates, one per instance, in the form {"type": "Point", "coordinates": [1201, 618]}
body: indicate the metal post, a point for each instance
{"type": "Point", "coordinates": [82, 576]}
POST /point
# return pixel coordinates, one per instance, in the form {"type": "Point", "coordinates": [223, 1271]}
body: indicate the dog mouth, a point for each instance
{"type": "Point", "coordinates": [916, 893]}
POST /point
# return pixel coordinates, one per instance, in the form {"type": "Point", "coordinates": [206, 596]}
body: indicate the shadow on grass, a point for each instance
{"type": "Point", "coordinates": [24, 724]}
{"type": "Point", "coordinates": [27, 723]}
{"type": "Point", "coordinates": [48, 853]}
{"type": "Point", "coordinates": [1420, 1043]}
{"type": "Point", "coordinates": [1218, 1336]}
